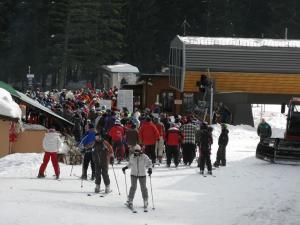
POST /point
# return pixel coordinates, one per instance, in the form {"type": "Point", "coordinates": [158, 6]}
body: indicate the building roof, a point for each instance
{"type": "Point", "coordinates": [240, 42]}
{"type": "Point", "coordinates": [121, 68]}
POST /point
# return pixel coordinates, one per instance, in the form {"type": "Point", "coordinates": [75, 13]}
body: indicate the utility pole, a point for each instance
{"type": "Point", "coordinates": [185, 24]}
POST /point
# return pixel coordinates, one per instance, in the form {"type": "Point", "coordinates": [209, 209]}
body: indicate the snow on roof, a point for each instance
{"type": "Point", "coordinates": [8, 107]}
{"type": "Point", "coordinates": [241, 42]}
{"type": "Point", "coordinates": [121, 68]}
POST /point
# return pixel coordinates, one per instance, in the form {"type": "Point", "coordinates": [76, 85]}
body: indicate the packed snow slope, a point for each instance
{"type": "Point", "coordinates": [247, 191]}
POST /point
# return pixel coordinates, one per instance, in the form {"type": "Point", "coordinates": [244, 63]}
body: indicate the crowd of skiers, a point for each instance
{"type": "Point", "coordinates": [141, 139]}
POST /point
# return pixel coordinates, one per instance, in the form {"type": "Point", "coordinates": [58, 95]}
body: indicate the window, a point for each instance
{"type": "Point", "coordinates": [167, 101]}
{"type": "Point", "coordinates": [188, 102]}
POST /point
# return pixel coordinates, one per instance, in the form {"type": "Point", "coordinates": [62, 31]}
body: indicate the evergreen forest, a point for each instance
{"type": "Point", "coordinates": [71, 39]}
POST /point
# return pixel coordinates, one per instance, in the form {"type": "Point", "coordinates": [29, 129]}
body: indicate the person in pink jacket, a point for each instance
{"type": "Point", "coordinates": [149, 135]}
{"type": "Point", "coordinates": [51, 143]}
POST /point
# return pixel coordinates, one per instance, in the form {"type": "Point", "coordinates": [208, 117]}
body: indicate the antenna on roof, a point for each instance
{"type": "Point", "coordinates": [286, 33]}
{"type": "Point", "coordinates": [185, 24]}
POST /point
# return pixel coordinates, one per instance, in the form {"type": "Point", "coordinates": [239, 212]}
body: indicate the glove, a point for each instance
{"type": "Point", "coordinates": [149, 171]}
{"type": "Point", "coordinates": [111, 160]}
{"type": "Point", "coordinates": [124, 168]}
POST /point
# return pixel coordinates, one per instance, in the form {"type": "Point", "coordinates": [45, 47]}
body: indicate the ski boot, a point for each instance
{"type": "Point", "coordinates": [107, 189]}
{"type": "Point", "coordinates": [97, 188]}
{"type": "Point", "coordinates": [41, 176]}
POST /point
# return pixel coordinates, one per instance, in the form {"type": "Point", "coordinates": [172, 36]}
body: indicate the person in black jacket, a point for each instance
{"type": "Point", "coordinates": [102, 156]}
{"type": "Point", "coordinates": [205, 143]}
{"type": "Point", "coordinates": [223, 141]}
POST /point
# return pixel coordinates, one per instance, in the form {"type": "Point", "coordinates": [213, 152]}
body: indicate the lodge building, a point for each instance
{"type": "Point", "coordinates": [244, 71]}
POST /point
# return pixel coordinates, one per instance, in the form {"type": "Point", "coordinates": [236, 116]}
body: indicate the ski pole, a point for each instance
{"type": "Point", "coordinates": [151, 193]}
{"type": "Point", "coordinates": [116, 179]}
{"type": "Point", "coordinates": [126, 184]}
{"type": "Point", "coordinates": [71, 169]}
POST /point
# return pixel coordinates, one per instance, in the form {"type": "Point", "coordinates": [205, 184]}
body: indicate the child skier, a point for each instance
{"type": "Point", "coordinates": [138, 163]}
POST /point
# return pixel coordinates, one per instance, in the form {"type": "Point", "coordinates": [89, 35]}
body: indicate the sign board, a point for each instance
{"type": "Point", "coordinates": [178, 102]}
{"type": "Point", "coordinates": [106, 103]}
{"type": "Point", "coordinates": [125, 99]}
{"type": "Point", "coordinates": [30, 77]}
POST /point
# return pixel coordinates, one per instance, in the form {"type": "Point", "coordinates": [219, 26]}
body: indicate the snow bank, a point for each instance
{"type": "Point", "coordinates": [7, 106]}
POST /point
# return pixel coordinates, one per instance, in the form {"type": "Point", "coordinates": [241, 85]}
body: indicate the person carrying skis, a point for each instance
{"type": "Point", "coordinates": [103, 154]}
{"type": "Point", "coordinates": [51, 143]}
{"type": "Point", "coordinates": [138, 164]}
{"type": "Point", "coordinates": [205, 142]}
{"type": "Point", "coordinates": [223, 141]}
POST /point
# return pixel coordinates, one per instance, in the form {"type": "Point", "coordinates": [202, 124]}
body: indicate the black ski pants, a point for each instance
{"type": "Point", "coordinates": [172, 152]}
{"type": "Point", "coordinates": [221, 156]}
{"type": "Point", "coordinates": [150, 152]}
{"type": "Point", "coordinates": [205, 159]}
{"type": "Point", "coordinates": [188, 153]}
{"type": "Point", "coordinates": [87, 159]}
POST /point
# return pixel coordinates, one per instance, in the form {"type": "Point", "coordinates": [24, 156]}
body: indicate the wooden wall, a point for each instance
{"type": "Point", "coordinates": [4, 137]}
{"type": "Point", "coordinates": [266, 83]}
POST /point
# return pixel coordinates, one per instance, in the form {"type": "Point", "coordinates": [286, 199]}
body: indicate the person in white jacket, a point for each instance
{"type": "Point", "coordinates": [51, 143]}
{"type": "Point", "coordinates": [138, 163]}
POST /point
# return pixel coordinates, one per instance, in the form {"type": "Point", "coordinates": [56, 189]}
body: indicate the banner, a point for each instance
{"type": "Point", "coordinates": [125, 99]}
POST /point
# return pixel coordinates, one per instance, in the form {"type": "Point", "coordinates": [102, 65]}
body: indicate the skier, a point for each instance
{"type": "Point", "coordinates": [117, 133]}
{"type": "Point", "coordinates": [264, 130]}
{"type": "Point", "coordinates": [87, 144]}
{"type": "Point", "coordinates": [223, 141]}
{"type": "Point", "coordinates": [138, 163]}
{"type": "Point", "coordinates": [189, 142]}
{"type": "Point", "coordinates": [205, 143]}
{"type": "Point", "coordinates": [149, 135]}
{"type": "Point", "coordinates": [173, 139]}
{"type": "Point", "coordinates": [102, 156]}
{"type": "Point", "coordinates": [51, 144]}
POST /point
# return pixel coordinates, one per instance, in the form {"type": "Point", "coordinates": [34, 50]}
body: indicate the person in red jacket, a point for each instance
{"type": "Point", "coordinates": [173, 139]}
{"type": "Point", "coordinates": [149, 135]}
{"type": "Point", "coordinates": [117, 133]}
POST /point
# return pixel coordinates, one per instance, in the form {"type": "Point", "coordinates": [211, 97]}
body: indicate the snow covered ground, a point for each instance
{"type": "Point", "coordinates": [247, 191]}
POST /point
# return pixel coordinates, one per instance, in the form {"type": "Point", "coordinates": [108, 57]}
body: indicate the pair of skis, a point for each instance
{"type": "Point", "coordinates": [101, 194]}
{"type": "Point", "coordinates": [133, 209]}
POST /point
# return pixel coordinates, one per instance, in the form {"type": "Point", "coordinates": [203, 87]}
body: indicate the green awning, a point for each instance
{"type": "Point", "coordinates": [9, 88]}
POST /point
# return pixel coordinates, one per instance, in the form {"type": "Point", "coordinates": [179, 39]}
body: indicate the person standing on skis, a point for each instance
{"type": "Point", "coordinates": [51, 143]}
{"type": "Point", "coordinates": [138, 164]}
{"type": "Point", "coordinates": [205, 143]}
{"type": "Point", "coordinates": [103, 154]}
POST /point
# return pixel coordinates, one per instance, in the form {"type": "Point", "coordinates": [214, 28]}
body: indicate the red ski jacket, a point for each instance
{"type": "Point", "coordinates": [148, 133]}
